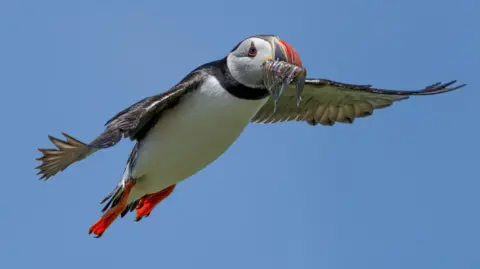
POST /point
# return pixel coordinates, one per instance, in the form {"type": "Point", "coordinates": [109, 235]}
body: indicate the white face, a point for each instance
{"type": "Point", "coordinates": [245, 62]}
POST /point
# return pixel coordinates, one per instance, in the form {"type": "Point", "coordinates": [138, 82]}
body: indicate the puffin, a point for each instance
{"type": "Point", "coordinates": [184, 129]}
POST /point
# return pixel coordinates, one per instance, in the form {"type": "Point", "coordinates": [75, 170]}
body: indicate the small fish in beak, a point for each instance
{"type": "Point", "coordinates": [284, 68]}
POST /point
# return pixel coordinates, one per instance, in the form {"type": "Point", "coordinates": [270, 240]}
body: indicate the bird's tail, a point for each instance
{"type": "Point", "coordinates": [117, 204]}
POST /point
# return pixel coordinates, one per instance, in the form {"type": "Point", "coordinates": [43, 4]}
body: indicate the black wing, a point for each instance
{"type": "Point", "coordinates": [133, 122]}
{"type": "Point", "coordinates": [326, 102]}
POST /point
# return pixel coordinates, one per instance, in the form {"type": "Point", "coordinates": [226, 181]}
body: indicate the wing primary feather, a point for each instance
{"type": "Point", "coordinates": [133, 122]}
{"type": "Point", "coordinates": [328, 101]}
{"type": "Point", "coordinates": [436, 88]}
{"type": "Point", "coordinates": [66, 153]}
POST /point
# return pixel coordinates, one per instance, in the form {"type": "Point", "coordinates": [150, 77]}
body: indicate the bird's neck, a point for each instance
{"type": "Point", "coordinates": [221, 71]}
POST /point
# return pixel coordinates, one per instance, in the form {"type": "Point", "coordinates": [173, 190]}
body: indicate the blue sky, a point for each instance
{"type": "Point", "coordinates": [396, 190]}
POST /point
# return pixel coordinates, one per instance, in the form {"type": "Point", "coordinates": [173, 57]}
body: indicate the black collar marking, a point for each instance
{"type": "Point", "coordinates": [220, 71]}
{"type": "Point", "coordinates": [188, 84]}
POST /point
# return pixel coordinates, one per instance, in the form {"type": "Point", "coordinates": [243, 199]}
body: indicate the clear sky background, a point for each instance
{"type": "Point", "coordinates": [397, 190]}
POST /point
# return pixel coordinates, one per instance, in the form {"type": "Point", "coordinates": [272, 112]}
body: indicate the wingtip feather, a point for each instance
{"type": "Point", "coordinates": [57, 160]}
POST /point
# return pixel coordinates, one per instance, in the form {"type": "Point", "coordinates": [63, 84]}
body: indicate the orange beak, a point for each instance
{"type": "Point", "coordinates": [285, 52]}
{"type": "Point", "coordinates": [283, 67]}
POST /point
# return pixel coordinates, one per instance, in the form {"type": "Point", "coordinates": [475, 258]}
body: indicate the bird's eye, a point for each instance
{"type": "Point", "coordinates": [252, 51]}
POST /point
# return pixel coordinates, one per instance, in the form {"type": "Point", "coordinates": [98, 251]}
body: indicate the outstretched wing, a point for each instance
{"type": "Point", "coordinates": [327, 102]}
{"type": "Point", "coordinates": [133, 122]}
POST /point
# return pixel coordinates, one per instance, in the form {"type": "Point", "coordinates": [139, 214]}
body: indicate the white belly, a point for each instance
{"type": "Point", "coordinates": [191, 136]}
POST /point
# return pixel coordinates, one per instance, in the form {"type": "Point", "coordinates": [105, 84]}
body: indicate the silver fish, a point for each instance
{"type": "Point", "coordinates": [278, 75]}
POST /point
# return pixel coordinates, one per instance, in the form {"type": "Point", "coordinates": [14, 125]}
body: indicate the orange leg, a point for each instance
{"type": "Point", "coordinates": [148, 202]}
{"type": "Point", "coordinates": [104, 222]}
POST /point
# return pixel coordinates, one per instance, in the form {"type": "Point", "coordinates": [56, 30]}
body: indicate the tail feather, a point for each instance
{"type": "Point", "coordinates": [112, 198]}
{"type": "Point", "coordinates": [130, 207]}
{"type": "Point", "coordinates": [66, 153]}
{"type": "Point", "coordinates": [124, 190]}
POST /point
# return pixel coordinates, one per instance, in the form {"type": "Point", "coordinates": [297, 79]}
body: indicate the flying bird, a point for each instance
{"type": "Point", "coordinates": [182, 130]}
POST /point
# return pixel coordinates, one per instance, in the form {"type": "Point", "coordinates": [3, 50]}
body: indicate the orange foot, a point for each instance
{"type": "Point", "coordinates": [102, 224]}
{"type": "Point", "coordinates": [148, 202]}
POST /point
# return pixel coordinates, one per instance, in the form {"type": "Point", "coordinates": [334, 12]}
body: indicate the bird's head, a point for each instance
{"type": "Point", "coordinates": [266, 61]}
